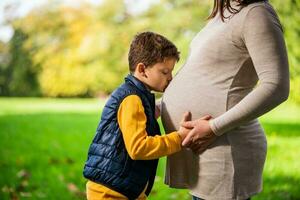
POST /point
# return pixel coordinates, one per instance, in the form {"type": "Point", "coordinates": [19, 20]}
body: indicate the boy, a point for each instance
{"type": "Point", "coordinates": [122, 158]}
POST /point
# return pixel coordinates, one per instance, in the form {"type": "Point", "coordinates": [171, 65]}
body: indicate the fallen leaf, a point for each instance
{"type": "Point", "coordinates": [25, 194]}
{"type": "Point", "coordinates": [72, 187]}
{"type": "Point", "coordinates": [23, 174]}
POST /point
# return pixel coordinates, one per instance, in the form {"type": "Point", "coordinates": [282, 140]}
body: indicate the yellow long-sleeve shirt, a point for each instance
{"type": "Point", "coordinates": [132, 122]}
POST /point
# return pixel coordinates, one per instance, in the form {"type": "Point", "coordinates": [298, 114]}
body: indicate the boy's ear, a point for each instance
{"type": "Point", "coordinates": [140, 68]}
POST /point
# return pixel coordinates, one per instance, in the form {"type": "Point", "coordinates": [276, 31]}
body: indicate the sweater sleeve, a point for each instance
{"type": "Point", "coordinates": [263, 38]}
{"type": "Point", "coordinates": [140, 146]}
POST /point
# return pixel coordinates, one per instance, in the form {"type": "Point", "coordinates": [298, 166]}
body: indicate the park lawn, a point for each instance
{"type": "Point", "coordinates": [44, 144]}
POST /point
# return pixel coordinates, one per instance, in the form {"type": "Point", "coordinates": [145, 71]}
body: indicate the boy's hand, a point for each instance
{"type": "Point", "coordinates": [183, 132]}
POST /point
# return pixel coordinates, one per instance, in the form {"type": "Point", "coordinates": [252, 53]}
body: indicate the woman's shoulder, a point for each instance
{"type": "Point", "coordinates": [257, 9]}
{"type": "Point", "coordinates": [259, 16]}
{"type": "Point", "coordinates": [261, 4]}
{"type": "Point", "coordinates": [260, 13]}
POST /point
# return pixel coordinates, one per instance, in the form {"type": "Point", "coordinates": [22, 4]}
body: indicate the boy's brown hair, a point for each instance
{"type": "Point", "coordinates": [150, 48]}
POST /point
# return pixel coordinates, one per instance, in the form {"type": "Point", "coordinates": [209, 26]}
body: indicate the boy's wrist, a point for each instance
{"type": "Point", "coordinates": [181, 135]}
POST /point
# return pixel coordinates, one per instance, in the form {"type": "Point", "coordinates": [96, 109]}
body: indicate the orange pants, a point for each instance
{"type": "Point", "coordinates": [95, 191]}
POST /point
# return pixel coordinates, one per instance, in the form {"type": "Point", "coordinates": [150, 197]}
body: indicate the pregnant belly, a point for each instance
{"type": "Point", "coordinates": [199, 99]}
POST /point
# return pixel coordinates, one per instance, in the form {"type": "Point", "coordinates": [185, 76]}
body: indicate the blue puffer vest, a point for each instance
{"type": "Point", "coordinates": [108, 162]}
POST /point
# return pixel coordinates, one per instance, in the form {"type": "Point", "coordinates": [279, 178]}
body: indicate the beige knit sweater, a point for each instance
{"type": "Point", "coordinates": [220, 78]}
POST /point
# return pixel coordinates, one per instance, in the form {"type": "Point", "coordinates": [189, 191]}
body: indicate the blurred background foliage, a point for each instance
{"type": "Point", "coordinates": [81, 51]}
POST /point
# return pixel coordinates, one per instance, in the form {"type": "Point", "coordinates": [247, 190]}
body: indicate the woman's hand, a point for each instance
{"type": "Point", "coordinates": [201, 145]}
{"type": "Point", "coordinates": [201, 135]}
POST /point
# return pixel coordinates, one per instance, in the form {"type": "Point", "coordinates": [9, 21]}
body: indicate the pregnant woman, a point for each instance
{"type": "Point", "coordinates": [237, 70]}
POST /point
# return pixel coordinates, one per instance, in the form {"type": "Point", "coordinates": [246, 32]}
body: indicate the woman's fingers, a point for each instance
{"type": "Point", "coordinates": [206, 117]}
{"type": "Point", "coordinates": [203, 144]}
{"type": "Point", "coordinates": [194, 145]}
{"type": "Point", "coordinates": [192, 124]}
{"type": "Point", "coordinates": [201, 147]}
{"type": "Point", "coordinates": [189, 138]}
{"type": "Point", "coordinates": [200, 129]}
{"type": "Point", "coordinates": [197, 144]}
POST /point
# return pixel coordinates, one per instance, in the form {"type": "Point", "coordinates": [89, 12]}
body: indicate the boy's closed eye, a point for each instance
{"type": "Point", "coordinates": [165, 72]}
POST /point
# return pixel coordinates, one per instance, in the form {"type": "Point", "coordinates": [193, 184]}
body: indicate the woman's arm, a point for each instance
{"type": "Point", "coordinates": [263, 38]}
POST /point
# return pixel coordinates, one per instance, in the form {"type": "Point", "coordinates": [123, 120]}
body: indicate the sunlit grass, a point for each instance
{"type": "Point", "coordinates": [44, 144]}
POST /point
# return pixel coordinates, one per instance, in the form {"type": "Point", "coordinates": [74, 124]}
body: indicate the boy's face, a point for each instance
{"type": "Point", "coordinates": [158, 76]}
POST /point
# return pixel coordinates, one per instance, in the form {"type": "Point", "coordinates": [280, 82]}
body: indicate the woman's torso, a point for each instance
{"type": "Point", "coordinates": [217, 75]}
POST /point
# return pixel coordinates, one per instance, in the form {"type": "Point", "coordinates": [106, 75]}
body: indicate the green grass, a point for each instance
{"type": "Point", "coordinates": [43, 146]}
